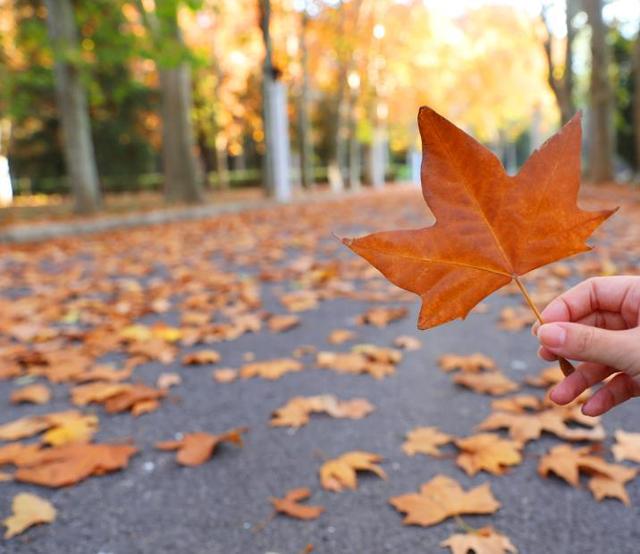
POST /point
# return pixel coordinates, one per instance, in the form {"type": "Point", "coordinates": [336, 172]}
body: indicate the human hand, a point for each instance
{"type": "Point", "coordinates": [596, 322]}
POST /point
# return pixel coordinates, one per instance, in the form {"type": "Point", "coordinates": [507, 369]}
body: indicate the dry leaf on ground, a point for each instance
{"type": "Point", "coordinates": [225, 375]}
{"type": "Point", "coordinates": [167, 380]}
{"type": "Point", "coordinates": [32, 394]}
{"type": "Point", "coordinates": [407, 342]}
{"type": "Point", "coordinates": [441, 498]}
{"type": "Point", "coordinates": [516, 318]}
{"type": "Point", "coordinates": [425, 440]}
{"type": "Point", "coordinates": [338, 336]}
{"type": "Point", "coordinates": [196, 448]}
{"type": "Point", "coordinates": [488, 382]}
{"type": "Point", "coordinates": [364, 358]}
{"type": "Point", "coordinates": [270, 369]}
{"type": "Point", "coordinates": [28, 510]}
{"type": "Point", "coordinates": [290, 505]}
{"type": "Point", "coordinates": [487, 452]}
{"type": "Point", "coordinates": [472, 363]}
{"type": "Point", "coordinates": [627, 446]}
{"type": "Point", "coordinates": [282, 323]}
{"type": "Point", "coordinates": [297, 411]}
{"type": "Point", "coordinates": [547, 377]}
{"type": "Point", "coordinates": [381, 316]}
{"type": "Point", "coordinates": [481, 541]}
{"type": "Point", "coordinates": [607, 479]}
{"type": "Point", "coordinates": [201, 357]}
{"type": "Point", "coordinates": [340, 473]}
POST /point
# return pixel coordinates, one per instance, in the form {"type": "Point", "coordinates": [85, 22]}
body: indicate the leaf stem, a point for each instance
{"type": "Point", "coordinates": [565, 365]}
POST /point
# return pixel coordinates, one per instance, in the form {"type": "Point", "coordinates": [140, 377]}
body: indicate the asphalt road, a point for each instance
{"type": "Point", "coordinates": [222, 507]}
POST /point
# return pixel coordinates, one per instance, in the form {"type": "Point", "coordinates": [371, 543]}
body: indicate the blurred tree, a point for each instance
{"type": "Point", "coordinates": [636, 99]}
{"type": "Point", "coordinates": [306, 149]}
{"type": "Point", "coordinates": [181, 175]}
{"type": "Point", "coordinates": [73, 108]}
{"type": "Point", "coordinates": [561, 74]}
{"type": "Point", "coordinates": [600, 111]}
{"type": "Point", "coordinates": [623, 90]}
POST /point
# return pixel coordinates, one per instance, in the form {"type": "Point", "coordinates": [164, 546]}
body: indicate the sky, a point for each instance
{"type": "Point", "coordinates": [625, 11]}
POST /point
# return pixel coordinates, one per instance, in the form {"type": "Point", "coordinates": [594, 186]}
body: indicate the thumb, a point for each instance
{"type": "Point", "coordinates": [616, 349]}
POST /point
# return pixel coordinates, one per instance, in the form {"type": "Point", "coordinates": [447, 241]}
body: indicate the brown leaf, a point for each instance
{"type": "Point", "coordinates": [167, 380]}
{"type": "Point", "coordinates": [481, 541]}
{"type": "Point", "coordinates": [567, 463]}
{"type": "Point", "coordinates": [441, 498]}
{"type": "Point", "coordinates": [627, 446]}
{"type": "Point", "coordinates": [425, 440]}
{"type": "Point", "coordinates": [489, 382]}
{"type": "Point", "coordinates": [472, 364]}
{"type": "Point", "coordinates": [547, 377]}
{"type": "Point", "coordinates": [340, 473]}
{"type": "Point", "coordinates": [290, 505]}
{"type": "Point", "coordinates": [66, 465]}
{"type": "Point", "coordinates": [195, 449]}
{"type": "Point", "coordinates": [489, 226]}
{"type": "Point", "coordinates": [225, 375]}
{"type": "Point", "coordinates": [365, 358]}
{"type": "Point", "coordinates": [201, 357]}
{"type": "Point", "coordinates": [271, 369]}
{"type": "Point", "coordinates": [70, 427]}
{"type": "Point", "coordinates": [32, 425]}
{"type": "Point", "coordinates": [381, 316]}
{"type": "Point", "coordinates": [487, 452]}
{"type": "Point", "coordinates": [298, 410]}
{"type": "Point", "coordinates": [516, 318]}
{"type": "Point", "coordinates": [407, 342]}
{"type": "Point", "coordinates": [517, 404]}
{"type": "Point", "coordinates": [338, 336]}
{"type": "Point", "coordinates": [282, 323]}
{"type": "Point", "coordinates": [28, 510]}
{"type": "Point", "coordinates": [34, 394]}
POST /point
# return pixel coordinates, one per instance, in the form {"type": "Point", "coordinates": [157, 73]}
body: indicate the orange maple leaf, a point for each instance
{"type": "Point", "coordinates": [490, 227]}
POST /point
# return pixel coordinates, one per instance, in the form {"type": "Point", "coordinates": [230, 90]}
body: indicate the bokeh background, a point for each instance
{"type": "Point", "coordinates": [119, 105]}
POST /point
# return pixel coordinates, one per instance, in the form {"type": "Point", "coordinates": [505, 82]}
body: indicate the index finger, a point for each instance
{"type": "Point", "coordinates": [592, 295]}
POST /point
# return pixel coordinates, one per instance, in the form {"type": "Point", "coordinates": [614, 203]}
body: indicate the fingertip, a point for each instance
{"type": "Point", "coordinates": [593, 407]}
{"type": "Point", "coordinates": [559, 395]}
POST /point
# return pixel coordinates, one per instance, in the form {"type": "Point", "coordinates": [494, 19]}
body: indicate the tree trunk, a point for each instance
{"type": "Point", "coordinates": [73, 110]}
{"type": "Point", "coordinates": [222, 166]}
{"type": "Point", "coordinates": [636, 101]}
{"type": "Point", "coordinates": [181, 180]}
{"type": "Point", "coordinates": [306, 150]}
{"type": "Point", "coordinates": [601, 125]}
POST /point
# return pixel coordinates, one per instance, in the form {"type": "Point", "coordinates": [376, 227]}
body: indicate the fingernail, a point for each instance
{"type": "Point", "coordinates": [552, 335]}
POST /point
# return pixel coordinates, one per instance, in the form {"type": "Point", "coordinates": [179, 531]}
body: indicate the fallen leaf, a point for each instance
{"type": "Point", "coordinates": [480, 541]}
{"type": "Point", "coordinates": [282, 323]}
{"type": "Point", "coordinates": [441, 498]}
{"type": "Point", "coordinates": [290, 505]}
{"type": "Point", "coordinates": [487, 452]}
{"type": "Point", "coordinates": [66, 465]}
{"type": "Point", "coordinates": [381, 316]}
{"type": "Point", "coordinates": [516, 318]}
{"type": "Point", "coordinates": [70, 427]}
{"type": "Point", "coordinates": [340, 473]}
{"type": "Point", "coordinates": [365, 358]}
{"type": "Point", "coordinates": [270, 369]}
{"type": "Point", "coordinates": [489, 382]}
{"type": "Point", "coordinates": [28, 510]}
{"type": "Point", "coordinates": [425, 440]}
{"type": "Point", "coordinates": [471, 364]}
{"type": "Point", "coordinates": [407, 342]}
{"type": "Point", "coordinates": [567, 463]}
{"type": "Point", "coordinates": [33, 394]}
{"type": "Point", "coordinates": [201, 357]}
{"type": "Point", "coordinates": [490, 227]}
{"type": "Point", "coordinates": [547, 377]}
{"type": "Point", "coordinates": [627, 446]}
{"type": "Point", "coordinates": [297, 411]}
{"type": "Point", "coordinates": [338, 336]}
{"type": "Point", "coordinates": [167, 380]}
{"type": "Point", "coordinates": [225, 375]}
{"type": "Point", "coordinates": [517, 404]}
{"type": "Point", "coordinates": [196, 448]}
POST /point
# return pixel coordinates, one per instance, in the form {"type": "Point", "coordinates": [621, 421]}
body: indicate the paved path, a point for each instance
{"type": "Point", "coordinates": [157, 507]}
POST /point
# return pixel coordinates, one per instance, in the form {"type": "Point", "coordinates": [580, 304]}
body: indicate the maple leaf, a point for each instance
{"type": "Point", "coordinates": [425, 440]}
{"type": "Point", "coordinates": [28, 510]}
{"type": "Point", "coordinates": [407, 342]}
{"type": "Point", "coordinates": [441, 498]}
{"type": "Point", "coordinates": [271, 369]}
{"type": "Point", "coordinates": [481, 541]}
{"type": "Point", "coordinates": [490, 227]}
{"type": "Point", "coordinates": [547, 377]}
{"type": "Point", "coordinates": [290, 505]}
{"type": "Point", "coordinates": [489, 382]}
{"type": "Point", "coordinates": [282, 323]}
{"type": "Point", "coordinates": [297, 411]}
{"type": "Point", "coordinates": [34, 394]}
{"type": "Point", "coordinates": [340, 473]}
{"type": "Point", "coordinates": [196, 448]}
{"type": "Point", "coordinates": [607, 479]}
{"type": "Point", "coordinates": [365, 358]}
{"type": "Point", "coordinates": [381, 316]}
{"type": "Point", "coordinates": [201, 357]}
{"type": "Point", "coordinates": [627, 446]}
{"type": "Point", "coordinates": [472, 363]}
{"type": "Point", "coordinates": [487, 452]}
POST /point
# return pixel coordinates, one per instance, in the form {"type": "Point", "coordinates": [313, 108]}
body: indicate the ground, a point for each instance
{"type": "Point", "coordinates": [156, 506]}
